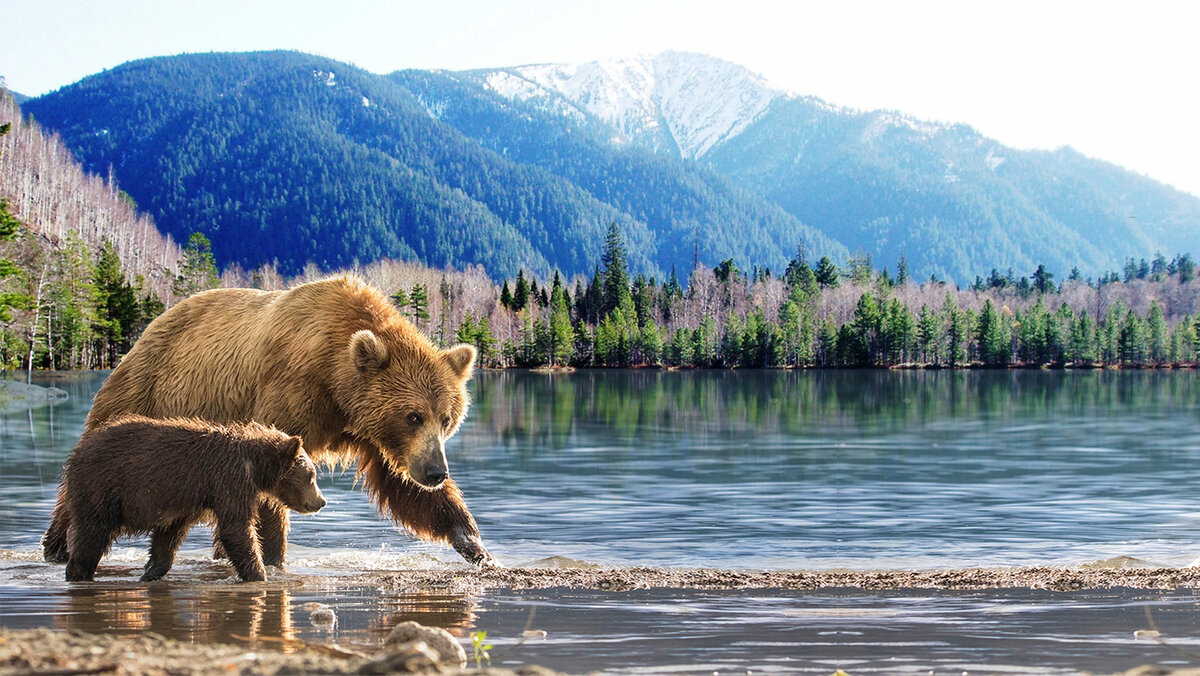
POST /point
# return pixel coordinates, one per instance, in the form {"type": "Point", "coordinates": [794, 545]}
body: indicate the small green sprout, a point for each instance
{"type": "Point", "coordinates": [478, 639]}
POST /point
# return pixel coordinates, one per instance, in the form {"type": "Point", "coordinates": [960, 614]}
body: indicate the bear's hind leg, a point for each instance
{"type": "Point", "coordinates": [88, 544]}
{"type": "Point", "coordinates": [272, 531]}
{"type": "Point", "coordinates": [54, 542]}
{"type": "Point", "coordinates": [164, 543]}
{"type": "Point", "coordinates": [218, 550]}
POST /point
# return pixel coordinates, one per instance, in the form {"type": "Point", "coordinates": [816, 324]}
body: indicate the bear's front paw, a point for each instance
{"type": "Point", "coordinates": [471, 548]}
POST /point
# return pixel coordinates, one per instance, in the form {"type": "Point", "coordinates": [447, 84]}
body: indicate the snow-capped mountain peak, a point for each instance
{"type": "Point", "coordinates": [674, 100]}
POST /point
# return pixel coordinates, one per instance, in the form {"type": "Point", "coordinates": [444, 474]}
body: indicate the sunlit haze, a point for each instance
{"type": "Point", "coordinates": [1113, 80]}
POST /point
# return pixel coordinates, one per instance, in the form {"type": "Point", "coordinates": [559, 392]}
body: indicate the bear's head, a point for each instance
{"type": "Point", "coordinates": [411, 397]}
{"type": "Point", "coordinates": [296, 483]}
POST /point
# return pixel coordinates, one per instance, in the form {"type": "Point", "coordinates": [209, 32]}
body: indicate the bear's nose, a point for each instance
{"type": "Point", "coordinates": [435, 477]}
{"type": "Point", "coordinates": [318, 505]}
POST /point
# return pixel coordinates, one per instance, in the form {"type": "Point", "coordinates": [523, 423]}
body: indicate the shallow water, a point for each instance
{"type": "Point", "coordinates": [738, 469]}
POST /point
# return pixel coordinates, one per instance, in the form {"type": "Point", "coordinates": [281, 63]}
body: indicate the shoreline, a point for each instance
{"type": "Point", "coordinates": [1054, 578]}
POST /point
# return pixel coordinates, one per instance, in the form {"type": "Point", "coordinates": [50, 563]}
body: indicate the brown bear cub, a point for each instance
{"type": "Point", "coordinates": [138, 475]}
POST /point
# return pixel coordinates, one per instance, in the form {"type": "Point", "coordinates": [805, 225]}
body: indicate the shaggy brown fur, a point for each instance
{"type": "Point", "coordinates": [332, 361]}
{"type": "Point", "coordinates": [138, 475]}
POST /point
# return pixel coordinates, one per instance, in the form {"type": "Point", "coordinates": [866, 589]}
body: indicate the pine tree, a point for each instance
{"type": "Point", "coordinates": [826, 273]}
{"type": "Point", "coordinates": [957, 328]}
{"type": "Point", "coordinates": [1043, 280]}
{"type": "Point", "coordinates": [118, 310]}
{"type": "Point", "coordinates": [616, 276]}
{"type": "Point", "coordinates": [1132, 343]}
{"type": "Point", "coordinates": [927, 335]}
{"type": "Point", "coordinates": [561, 334]}
{"type": "Point", "coordinates": [506, 298]}
{"type": "Point", "coordinates": [521, 292]}
{"type": "Point", "coordinates": [1081, 347]}
{"type": "Point", "coordinates": [9, 227]}
{"type": "Point", "coordinates": [418, 303]}
{"type": "Point", "coordinates": [198, 270]}
{"type": "Point", "coordinates": [1158, 335]}
{"type": "Point", "coordinates": [400, 300]}
{"type": "Point", "coordinates": [995, 338]}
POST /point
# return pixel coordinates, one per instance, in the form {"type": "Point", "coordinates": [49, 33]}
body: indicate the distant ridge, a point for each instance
{"type": "Point", "coordinates": [290, 158]}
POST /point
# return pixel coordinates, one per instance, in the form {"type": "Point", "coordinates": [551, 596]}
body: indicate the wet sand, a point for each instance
{"type": "Point", "coordinates": [1116, 573]}
{"type": "Point", "coordinates": [59, 653]}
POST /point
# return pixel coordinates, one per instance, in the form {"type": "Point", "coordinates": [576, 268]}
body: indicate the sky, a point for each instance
{"type": "Point", "coordinates": [1116, 81]}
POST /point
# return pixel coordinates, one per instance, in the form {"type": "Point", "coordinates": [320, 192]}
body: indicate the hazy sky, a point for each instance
{"type": "Point", "coordinates": [1118, 81]}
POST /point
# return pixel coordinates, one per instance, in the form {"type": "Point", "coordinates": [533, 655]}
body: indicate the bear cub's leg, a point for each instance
{"type": "Point", "coordinates": [272, 531]}
{"type": "Point", "coordinates": [272, 528]}
{"type": "Point", "coordinates": [164, 544]}
{"type": "Point", "coordinates": [241, 546]}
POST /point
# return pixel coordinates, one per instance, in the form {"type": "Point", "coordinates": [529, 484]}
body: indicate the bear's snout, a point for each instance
{"type": "Point", "coordinates": [315, 505]}
{"type": "Point", "coordinates": [429, 467]}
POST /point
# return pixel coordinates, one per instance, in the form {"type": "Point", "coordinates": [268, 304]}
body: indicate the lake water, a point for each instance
{"type": "Point", "coordinates": [730, 469]}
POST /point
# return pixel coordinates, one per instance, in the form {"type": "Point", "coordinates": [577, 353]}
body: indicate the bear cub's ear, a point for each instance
{"type": "Point", "coordinates": [292, 447]}
{"type": "Point", "coordinates": [370, 354]}
{"type": "Point", "coordinates": [460, 358]}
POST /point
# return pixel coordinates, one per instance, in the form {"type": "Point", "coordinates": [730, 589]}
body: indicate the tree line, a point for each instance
{"type": "Point", "coordinates": [819, 315]}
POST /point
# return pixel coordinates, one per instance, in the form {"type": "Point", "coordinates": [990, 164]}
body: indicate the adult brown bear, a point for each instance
{"type": "Point", "coordinates": [331, 361]}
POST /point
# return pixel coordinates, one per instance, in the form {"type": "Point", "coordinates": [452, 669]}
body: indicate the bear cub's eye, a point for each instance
{"type": "Point", "coordinates": [445, 423]}
{"type": "Point", "coordinates": [415, 419]}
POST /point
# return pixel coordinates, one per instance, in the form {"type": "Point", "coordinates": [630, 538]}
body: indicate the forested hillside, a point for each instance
{"type": "Point", "coordinates": [289, 158]}
{"type": "Point", "coordinates": [81, 270]}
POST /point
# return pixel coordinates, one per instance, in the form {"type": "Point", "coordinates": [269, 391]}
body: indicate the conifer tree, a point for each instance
{"type": "Point", "coordinates": [561, 334]}
{"type": "Point", "coordinates": [826, 273]}
{"type": "Point", "coordinates": [418, 303]}
{"type": "Point", "coordinates": [198, 270]}
{"type": "Point", "coordinates": [616, 276]}
{"type": "Point", "coordinates": [520, 292]}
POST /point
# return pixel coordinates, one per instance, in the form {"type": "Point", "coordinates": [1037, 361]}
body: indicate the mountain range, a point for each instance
{"type": "Point", "coordinates": [288, 158]}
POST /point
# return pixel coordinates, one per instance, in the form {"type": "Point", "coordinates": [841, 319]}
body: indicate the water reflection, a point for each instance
{"type": "Point", "coordinates": [762, 469]}
{"type": "Point", "coordinates": [200, 611]}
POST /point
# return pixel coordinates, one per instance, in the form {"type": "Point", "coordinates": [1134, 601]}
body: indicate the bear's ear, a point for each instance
{"type": "Point", "coordinates": [460, 358]}
{"type": "Point", "coordinates": [370, 354]}
{"type": "Point", "coordinates": [292, 447]}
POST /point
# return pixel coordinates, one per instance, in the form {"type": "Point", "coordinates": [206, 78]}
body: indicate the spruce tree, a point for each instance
{"type": "Point", "coordinates": [521, 292]}
{"type": "Point", "coordinates": [561, 334]}
{"type": "Point", "coordinates": [198, 270]}
{"type": "Point", "coordinates": [418, 302]}
{"type": "Point", "coordinates": [616, 276]}
{"type": "Point", "coordinates": [826, 273]}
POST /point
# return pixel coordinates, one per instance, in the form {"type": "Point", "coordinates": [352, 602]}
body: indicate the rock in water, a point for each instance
{"type": "Point", "coordinates": [448, 649]}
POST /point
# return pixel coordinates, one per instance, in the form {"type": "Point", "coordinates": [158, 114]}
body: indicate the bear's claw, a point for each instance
{"type": "Point", "coordinates": [471, 548]}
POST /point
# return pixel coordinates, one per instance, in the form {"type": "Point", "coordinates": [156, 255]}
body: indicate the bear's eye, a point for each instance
{"type": "Point", "coordinates": [445, 423]}
{"type": "Point", "coordinates": [415, 419]}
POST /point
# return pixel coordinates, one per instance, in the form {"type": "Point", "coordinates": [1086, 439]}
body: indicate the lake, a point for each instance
{"type": "Point", "coordinates": [726, 469]}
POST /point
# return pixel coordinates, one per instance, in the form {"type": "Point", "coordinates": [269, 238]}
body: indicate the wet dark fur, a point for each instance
{"type": "Point", "coordinates": [138, 475]}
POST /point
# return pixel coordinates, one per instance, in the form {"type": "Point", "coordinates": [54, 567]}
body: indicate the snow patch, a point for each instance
{"type": "Point", "coordinates": [688, 101]}
{"type": "Point", "coordinates": [993, 160]}
{"type": "Point", "coordinates": [329, 78]}
{"type": "Point", "coordinates": [366, 102]}
{"type": "Point", "coordinates": [882, 122]}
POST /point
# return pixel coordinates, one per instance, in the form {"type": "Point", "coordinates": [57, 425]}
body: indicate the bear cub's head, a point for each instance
{"type": "Point", "coordinates": [296, 485]}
